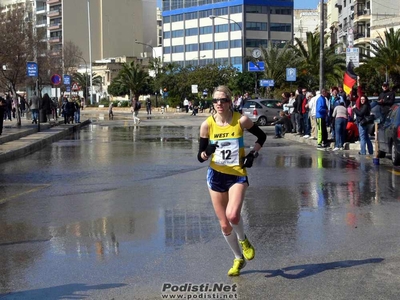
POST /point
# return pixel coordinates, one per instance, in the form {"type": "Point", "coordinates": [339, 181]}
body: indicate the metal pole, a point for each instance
{"type": "Point", "coordinates": [321, 46]}
{"type": "Point", "coordinates": [90, 54]}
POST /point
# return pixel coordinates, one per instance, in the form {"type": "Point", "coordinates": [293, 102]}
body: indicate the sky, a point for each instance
{"type": "Point", "coordinates": [298, 4]}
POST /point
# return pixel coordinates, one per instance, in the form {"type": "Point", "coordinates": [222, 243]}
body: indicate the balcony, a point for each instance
{"type": "Point", "coordinates": [53, 1]}
{"type": "Point", "coordinates": [362, 15]}
{"type": "Point", "coordinates": [54, 13]}
{"type": "Point", "coordinates": [55, 40]}
{"type": "Point", "coordinates": [54, 27]}
{"type": "Point", "coordinates": [361, 38]}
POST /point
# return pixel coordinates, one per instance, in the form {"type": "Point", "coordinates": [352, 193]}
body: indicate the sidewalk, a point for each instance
{"type": "Point", "coordinates": [311, 142]}
{"type": "Point", "coordinates": [16, 142]}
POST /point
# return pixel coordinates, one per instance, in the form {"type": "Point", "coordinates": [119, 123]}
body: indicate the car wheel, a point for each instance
{"type": "Point", "coordinates": [262, 121]}
{"type": "Point", "coordinates": [381, 154]}
{"type": "Point", "coordinates": [395, 155]}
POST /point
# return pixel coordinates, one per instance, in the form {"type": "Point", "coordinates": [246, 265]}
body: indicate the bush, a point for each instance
{"type": "Point", "coordinates": [104, 101]}
{"type": "Point", "coordinates": [124, 103]}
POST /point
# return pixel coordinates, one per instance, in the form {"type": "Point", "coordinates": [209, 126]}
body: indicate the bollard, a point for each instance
{"type": "Point", "coordinates": [162, 109]}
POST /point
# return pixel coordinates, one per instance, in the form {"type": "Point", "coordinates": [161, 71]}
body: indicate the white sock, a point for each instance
{"type": "Point", "coordinates": [233, 242]}
{"type": "Point", "coordinates": [239, 230]}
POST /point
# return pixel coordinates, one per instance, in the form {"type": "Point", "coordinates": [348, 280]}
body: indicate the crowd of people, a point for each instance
{"type": "Point", "coordinates": [333, 115]}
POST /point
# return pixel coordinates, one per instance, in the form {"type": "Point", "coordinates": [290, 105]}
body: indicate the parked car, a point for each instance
{"type": "Point", "coordinates": [262, 111]}
{"type": "Point", "coordinates": [389, 135]}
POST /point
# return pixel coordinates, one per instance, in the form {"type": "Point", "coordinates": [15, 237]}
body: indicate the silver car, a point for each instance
{"type": "Point", "coordinates": [262, 111]}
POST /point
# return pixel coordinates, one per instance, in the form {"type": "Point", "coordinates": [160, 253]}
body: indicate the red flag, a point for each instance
{"type": "Point", "coordinates": [350, 78]}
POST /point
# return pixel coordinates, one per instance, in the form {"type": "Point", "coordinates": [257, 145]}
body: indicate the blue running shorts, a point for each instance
{"type": "Point", "coordinates": [220, 182]}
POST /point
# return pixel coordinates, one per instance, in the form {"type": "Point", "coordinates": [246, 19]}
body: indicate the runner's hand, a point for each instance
{"type": "Point", "coordinates": [249, 158]}
{"type": "Point", "coordinates": [211, 149]}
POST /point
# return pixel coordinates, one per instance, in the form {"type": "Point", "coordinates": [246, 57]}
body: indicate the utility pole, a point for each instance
{"type": "Point", "coordinates": [321, 46]}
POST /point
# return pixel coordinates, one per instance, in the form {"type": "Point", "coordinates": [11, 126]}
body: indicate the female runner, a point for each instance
{"type": "Point", "coordinates": [221, 141]}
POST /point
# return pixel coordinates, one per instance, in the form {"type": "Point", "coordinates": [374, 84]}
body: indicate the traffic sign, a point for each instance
{"type": "Point", "coordinates": [291, 74]}
{"type": "Point", "coordinates": [32, 69]}
{"type": "Point", "coordinates": [67, 80]}
{"type": "Point", "coordinates": [353, 54]}
{"type": "Point", "coordinates": [75, 86]}
{"type": "Point", "coordinates": [256, 67]}
{"type": "Point", "coordinates": [56, 79]}
{"type": "Point", "coordinates": [267, 82]}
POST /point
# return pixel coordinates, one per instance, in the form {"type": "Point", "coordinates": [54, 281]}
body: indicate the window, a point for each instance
{"type": "Point", "coordinates": [236, 60]}
{"type": "Point", "coordinates": [256, 9]}
{"type": "Point", "coordinates": [344, 3]}
{"type": "Point", "coordinates": [167, 34]}
{"type": "Point", "coordinates": [203, 2]}
{"type": "Point", "coordinates": [253, 43]}
{"type": "Point", "coordinates": [191, 31]}
{"type": "Point", "coordinates": [190, 3]}
{"type": "Point", "coordinates": [177, 33]}
{"type": "Point", "coordinates": [166, 5]}
{"type": "Point", "coordinates": [256, 26]}
{"type": "Point", "coordinates": [281, 11]}
{"type": "Point", "coordinates": [176, 4]}
{"type": "Point", "coordinates": [236, 43]}
{"type": "Point", "coordinates": [205, 13]}
{"type": "Point", "coordinates": [221, 45]}
{"type": "Point", "coordinates": [236, 27]}
{"type": "Point", "coordinates": [286, 27]}
{"type": "Point", "coordinates": [221, 28]}
{"type": "Point", "coordinates": [166, 20]}
{"type": "Point", "coordinates": [222, 61]}
{"type": "Point", "coordinates": [177, 49]}
{"type": "Point", "coordinates": [167, 50]}
{"type": "Point", "coordinates": [177, 18]}
{"type": "Point", "coordinates": [220, 11]}
{"type": "Point", "coordinates": [235, 9]}
{"type": "Point", "coordinates": [206, 46]}
{"type": "Point", "coordinates": [206, 30]}
{"type": "Point", "coordinates": [191, 47]}
{"type": "Point", "coordinates": [191, 16]}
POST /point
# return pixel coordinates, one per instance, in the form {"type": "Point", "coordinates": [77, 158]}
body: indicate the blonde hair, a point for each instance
{"type": "Point", "coordinates": [224, 89]}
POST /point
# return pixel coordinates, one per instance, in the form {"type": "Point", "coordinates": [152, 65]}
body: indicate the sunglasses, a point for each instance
{"type": "Point", "coordinates": [222, 100]}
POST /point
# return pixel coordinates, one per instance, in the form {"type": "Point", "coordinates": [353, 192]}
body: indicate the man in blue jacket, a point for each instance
{"type": "Point", "coordinates": [321, 114]}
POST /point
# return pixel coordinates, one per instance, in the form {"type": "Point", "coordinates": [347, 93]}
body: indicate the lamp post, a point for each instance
{"type": "Point", "coordinates": [90, 53]}
{"type": "Point", "coordinates": [321, 46]}
{"type": "Point", "coordinates": [242, 31]}
{"type": "Point", "coordinates": [147, 45]}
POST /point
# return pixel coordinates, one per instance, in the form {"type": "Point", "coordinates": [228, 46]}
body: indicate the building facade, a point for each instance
{"type": "Point", "coordinates": [305, 20]}
{"type": "Point", "coordinates": [199, 32]}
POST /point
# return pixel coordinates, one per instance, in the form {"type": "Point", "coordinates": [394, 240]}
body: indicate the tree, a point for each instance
{"type": "Point", "coordinates": [134, 77]}
{"type": "Point", "coordinates": [386, 55]}
{"type": "Point", "coordinates": [82, 79]}
{"type": "Point", "coordinates": [309, 62]}
{"type": "Point", "coordinates": [20, 44]}
{"type": "Point", "coordinates": [72, 55]}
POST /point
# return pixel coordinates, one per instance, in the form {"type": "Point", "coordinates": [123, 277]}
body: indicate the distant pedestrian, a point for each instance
{"type": "Point", "coordinates": [110, 112]}
{"type": "Point", "coordinates": [34, 103]}
{"type": "Point", "coordinates": [2, 110]}
{"type": "Point", "coordinates": [148, 106]}
{"type": "Point", "coordinates": [8, 107]}
{"type": "Point", "coordinates": [46, 106]}
{"type": "Point", "coordinates": [186, 105]}
{"type": "Point", "coordinates": [77, 113]}
{"type": "Point", "coordinates": [135, 110]}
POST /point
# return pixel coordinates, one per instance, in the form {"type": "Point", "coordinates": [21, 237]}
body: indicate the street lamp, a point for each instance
{"type": "Point", "coordinates": [147, 45]}
{"type": "Point", "coordinates": [90, 53]}
{"type": "Point", "coordinates": [241, 29]}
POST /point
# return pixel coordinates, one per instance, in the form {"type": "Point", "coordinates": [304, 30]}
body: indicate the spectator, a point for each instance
{"type": "Point", "coordinates": [34, 103]}
{"type": "Point", "coordinates": [340, 116]}
{"type": "Point", "coordinates": [282, 125]}
{"type": "Point", "coordinates": [321, 114]}
{"type": "Point", "coordinates": [364, 111]}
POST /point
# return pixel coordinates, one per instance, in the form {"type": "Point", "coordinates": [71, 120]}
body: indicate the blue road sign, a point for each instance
{"type": "Point", "coordinates": [267, 82]}
{"type": "Point", "coordinates": [32, 69]}
{"type": "Point", "coordinates": [67, 80]}
{"type": "Point", "coordinates": [258, 67]}
{"type": "Point", "coordinates": [291, 74]}
{"type": "Point", "coordinates": [56, 79]}
{"type": "Point", "coordinates": [68, 89]}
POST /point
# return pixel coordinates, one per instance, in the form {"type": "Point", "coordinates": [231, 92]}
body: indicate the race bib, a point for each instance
{"type": "Point", "coordinates": [227, 154]}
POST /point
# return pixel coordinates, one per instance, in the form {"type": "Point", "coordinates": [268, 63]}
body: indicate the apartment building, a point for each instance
{"type": "Point", "coordinates": [199, 32]}
{"type": "Point", "coordinates": [305, 20]}
{"type": "Point", "coordinates": [357, 17]}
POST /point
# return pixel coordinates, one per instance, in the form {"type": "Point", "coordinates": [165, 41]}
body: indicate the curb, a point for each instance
{"type": "Point", "coordinates": [31, 142]}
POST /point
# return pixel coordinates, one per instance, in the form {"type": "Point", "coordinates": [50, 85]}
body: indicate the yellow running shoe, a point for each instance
{"type": "Point", "coordinates": [238, 264]}
{"type": "Point", "coordinates": [248, 249]}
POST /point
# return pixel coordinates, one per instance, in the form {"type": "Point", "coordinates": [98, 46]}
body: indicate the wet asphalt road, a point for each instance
{"type": "Point", "coordinates": [116, 211]}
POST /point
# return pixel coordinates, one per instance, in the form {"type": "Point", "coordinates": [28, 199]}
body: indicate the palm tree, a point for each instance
{"type": "Point", "coordinates": [133, 77]}
{"type": "Point", "coordinates": [83, 80]}
{"type": "Point", "coordinates": [386, 55]}
{"type": "Point", "coordinates": [276, 60]}
{"type": "Point", "coordinates": [309, 55]}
